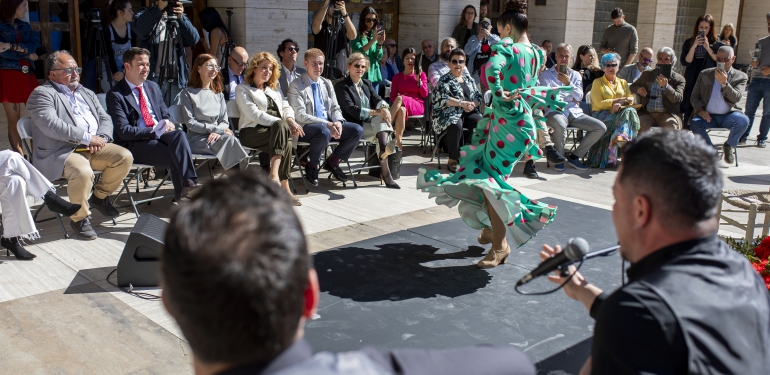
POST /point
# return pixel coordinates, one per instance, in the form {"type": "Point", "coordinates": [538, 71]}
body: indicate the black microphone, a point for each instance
{"type": "Point", "coordinates": [575, 250]}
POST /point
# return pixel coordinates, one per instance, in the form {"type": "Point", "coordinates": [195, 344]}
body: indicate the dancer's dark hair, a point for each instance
{"type": "Point", "coordinates": [515, 14]}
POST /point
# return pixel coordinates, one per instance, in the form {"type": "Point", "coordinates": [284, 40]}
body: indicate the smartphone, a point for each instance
{"type": "Point", "coordinates": [701, 33]}
{"type": "Point", "coordinates": [665, 70]}
{"type": "Point", "coordinates": [381, 25]}
{"type": "Point", "coordinates": [721, 66]}
{"type": "Point", "coordinates": [563, 69]}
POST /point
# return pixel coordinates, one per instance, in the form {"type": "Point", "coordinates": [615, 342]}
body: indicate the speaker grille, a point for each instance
{"type": "Point", "coordinates": [151, 226]}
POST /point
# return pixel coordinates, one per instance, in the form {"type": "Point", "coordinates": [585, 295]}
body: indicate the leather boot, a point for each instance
{"type": "Point", "coordinates": [485, 236]}
{"type": "Point", "coordinates": [495, 257]}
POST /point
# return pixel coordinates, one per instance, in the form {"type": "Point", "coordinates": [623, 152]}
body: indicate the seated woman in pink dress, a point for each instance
{"type": "Point", "coordinates": [409, 88]}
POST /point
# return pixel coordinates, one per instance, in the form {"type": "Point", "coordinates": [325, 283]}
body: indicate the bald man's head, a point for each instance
{"type": "Point", "coordinates": [428, 48]}
{"type": "Point", "coordinates": [645, 57]}
{"type": "Point", "coordinates": [238, 60]}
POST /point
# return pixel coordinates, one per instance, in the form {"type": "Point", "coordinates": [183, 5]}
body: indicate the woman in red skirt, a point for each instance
{"type": "Point", "coordinates": [17, 56]}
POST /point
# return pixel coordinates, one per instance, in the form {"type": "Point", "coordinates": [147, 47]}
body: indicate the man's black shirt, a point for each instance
{"type": "Point", "coordinates": [645, 328]}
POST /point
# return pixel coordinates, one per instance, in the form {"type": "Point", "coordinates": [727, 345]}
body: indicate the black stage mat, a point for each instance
{"type": "Point", "coordinates": [421, 289]}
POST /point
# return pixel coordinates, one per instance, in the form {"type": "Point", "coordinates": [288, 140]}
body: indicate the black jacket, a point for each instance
{"type": "Point", "coordinates": [350, 102]}
{"type": "Point", "coordinates": [125, 113]}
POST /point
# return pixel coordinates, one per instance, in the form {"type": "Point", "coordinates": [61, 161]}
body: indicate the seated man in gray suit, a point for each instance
{"type": "Point", "coordinates": [660, 96]}
{"type": "Point", "coordinates": [315, 108]}
{"type": "Point", "coordinates": [72, 135]}
{"type": "Point", "coordinates": [287, 53]}
{"type": "Point", "coordinates": [259, 324]}
{"type": "Point", "coordinates": [632, 72]}
{"type": "Point", "coordinates": [715, 101]}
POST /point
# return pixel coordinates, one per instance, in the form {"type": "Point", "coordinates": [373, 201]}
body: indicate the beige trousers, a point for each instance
{"type": "Point", "coordinates": [662, 119]}
{"type": "Point", "coordinates": [114, 161]}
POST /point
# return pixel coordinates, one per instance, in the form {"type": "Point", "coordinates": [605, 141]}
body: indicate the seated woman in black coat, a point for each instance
{"type": "Point", "coordinates": [362, 105]}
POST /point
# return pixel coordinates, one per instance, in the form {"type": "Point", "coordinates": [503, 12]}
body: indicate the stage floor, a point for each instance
{"type": "Point", "coordinates": [420, 288]}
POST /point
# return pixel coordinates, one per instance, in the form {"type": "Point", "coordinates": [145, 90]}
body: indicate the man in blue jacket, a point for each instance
{"type": "Point", "coordinates": [150, 28]}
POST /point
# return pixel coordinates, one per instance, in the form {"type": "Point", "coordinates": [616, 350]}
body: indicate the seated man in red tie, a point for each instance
{"type": "Point", "coordinates": [141, 123]}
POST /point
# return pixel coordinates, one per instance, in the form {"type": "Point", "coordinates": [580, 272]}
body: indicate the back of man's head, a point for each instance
{"type": "Point", "coordinates": [678, 172]}
{"type": "Point", "coordinates": [235, 270]}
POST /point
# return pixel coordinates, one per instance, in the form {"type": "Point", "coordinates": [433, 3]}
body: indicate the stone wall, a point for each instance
{"type": "Point", "coordinates": [428, 19]}
{"type": "Point", "coordinates": [753, 27]}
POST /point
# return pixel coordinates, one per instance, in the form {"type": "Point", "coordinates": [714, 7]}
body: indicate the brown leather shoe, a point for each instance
{"type": "Point", "coordinates": [495, 257]}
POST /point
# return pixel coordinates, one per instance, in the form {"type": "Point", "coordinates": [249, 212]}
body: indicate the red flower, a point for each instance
{"type": "Point", "coordinates": [763, 250]}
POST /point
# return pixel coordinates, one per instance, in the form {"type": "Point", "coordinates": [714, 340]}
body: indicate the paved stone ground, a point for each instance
{"type": "Point", "coordinates": [60, 315]}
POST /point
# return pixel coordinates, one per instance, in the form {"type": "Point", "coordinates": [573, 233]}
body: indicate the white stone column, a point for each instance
{"type": "Point", "coordinates": [724, 12]}
{"type": "Point", "coordinates": [656, 24]}
{"type": "Point", "coordinates": [753, 27]}
{"type": "Point", "coordinates": [429, 19]}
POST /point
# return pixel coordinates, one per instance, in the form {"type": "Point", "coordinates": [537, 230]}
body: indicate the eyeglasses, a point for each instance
{"type": "Point", "coordinates": [370, 19]}
{"type": "Point", "coordinates": [69, 71]}
{"type": "Point", "coordinates": [458, 62]}
{"type": "Point", "coordinates": [359, 66]}
{"type": "Point", "coordinates": [646, 60]}
{"type": "Point", "coordinates": [611, 66]}
{"type": "Point", "coordinates": [239, 64]}
{"type": "Point", "coordinates": [213, 67]}
{"type": "Point", "coordinates": [292, 49]}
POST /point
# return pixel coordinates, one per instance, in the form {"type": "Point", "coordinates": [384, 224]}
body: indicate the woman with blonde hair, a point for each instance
{"type": "Point", "coordinates": [727, 36]}
{"type": "Point", "coordinates": [267, 120]}
{"type": "Point", "coordinates": [205, 113]}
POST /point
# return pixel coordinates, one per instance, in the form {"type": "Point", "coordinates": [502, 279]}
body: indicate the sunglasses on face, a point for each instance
{"type": "Point", "coordinates": [646, 60]}
{"type": "Point", "coordinates": [458, 62]}
{"type": "Point", "coordinates": [611, 66]}
{"type": "Point", "coordinates": [238, 64]}
{"type": "Point", "coordinates": [369, 20]}
{"type": "Point", "coordinates": [292, 49]}
{"type": "Point", "coordinates": [359, 66]}
{"type": "Point", "coordinates": [69, 71]}
{"type": "Point", "coordinates": [213, 67]}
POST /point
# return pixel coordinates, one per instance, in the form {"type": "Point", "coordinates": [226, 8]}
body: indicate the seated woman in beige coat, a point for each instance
{"type": "Point", "coordinates": [267, 120]}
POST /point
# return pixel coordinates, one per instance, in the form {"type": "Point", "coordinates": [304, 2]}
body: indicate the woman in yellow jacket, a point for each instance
{"type": "Point", "coordinates": [611, 104]}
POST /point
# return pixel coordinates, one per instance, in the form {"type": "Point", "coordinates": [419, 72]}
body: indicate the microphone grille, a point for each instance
{"type": "Point", "coordinates": [576, 248]}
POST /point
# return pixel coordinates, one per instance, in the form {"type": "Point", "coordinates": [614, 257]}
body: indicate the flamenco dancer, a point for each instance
{"type": "Point", "coordinates": [505, 135]}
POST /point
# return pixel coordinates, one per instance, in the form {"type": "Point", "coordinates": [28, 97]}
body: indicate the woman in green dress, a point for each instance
{"type": "Point", "coordinates": [369, 42]}
{"type": "Point", "coordinates": [505, 135]}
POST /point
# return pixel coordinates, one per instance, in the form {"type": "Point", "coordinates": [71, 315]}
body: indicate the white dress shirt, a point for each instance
{"type": "Point", "coordinates": [717, 104]}
{"type": "Point", "coordinates": [83, 115]}
{"type": "Point", "coordinates": [289, 74]}
{"type": "Point", "coordinates": [134, 91]}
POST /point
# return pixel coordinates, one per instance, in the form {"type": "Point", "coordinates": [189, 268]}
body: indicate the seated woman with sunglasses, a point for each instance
{"type": "Point", "coordinates": [267, 119]}
{"type": "Point", "coordinates": [410, 87]}
{"type": "Point", "coordinates": [455, 106]}
{"type": "Point", "coordinates": [361, 104]}
{"type": "Point", "coordinates": [610, 101]}
{"type": "Point", "coordinates": [205, 112]}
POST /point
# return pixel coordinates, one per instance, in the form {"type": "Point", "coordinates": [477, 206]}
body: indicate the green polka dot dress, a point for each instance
{"type": "Point", "coordinates": [505, 135]}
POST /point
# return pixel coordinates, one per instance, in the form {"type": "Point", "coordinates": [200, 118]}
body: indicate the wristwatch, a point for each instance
{"type": "Point", "coordinates": [345, 15]}
{"type": "Point", "coordinates": [724, 85]}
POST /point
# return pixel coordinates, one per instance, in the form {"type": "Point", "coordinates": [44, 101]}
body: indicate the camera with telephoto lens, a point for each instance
{"type": "Point", "coordinates": [485, 24]}
{"type": "Point", "coordinates": [173, 3]}
{"type": "Point", "coordinates": [336, 11]}
{"type": "Point", "coordinates": [94, 15]}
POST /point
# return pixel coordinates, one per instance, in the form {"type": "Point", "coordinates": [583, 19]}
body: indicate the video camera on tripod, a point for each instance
{"type": "Point", "coordinates": [95, 42]}
{"type": "Point", "coordinates": [169, 69]}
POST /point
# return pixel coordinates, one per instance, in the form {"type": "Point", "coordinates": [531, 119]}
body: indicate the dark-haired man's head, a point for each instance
{"type": "Point", "coordinates": [136, 65]}
{"type": "Point", "coordinates": [447, 46]}
{"type": "Point", "coordinates": [287, 52]}
{"type": "Point", "coordinates": [236, 274]}
{"type": "Point", "coordinates": [618, 18]}
{"type": "Point", "coordinates": [668, 186]}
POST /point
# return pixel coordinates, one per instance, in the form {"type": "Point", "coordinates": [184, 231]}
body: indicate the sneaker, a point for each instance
{"type": "Point", "coordinates": [529, 170]}
{"type": "Point", "coordinates": [104, 206]}
{"type": "Point", "coordinates": [553, 155]}
{"type": "Point", "coordinates": [84, 229]}
{"type": "Point", "coordinates": [742, 141]}
{"type": "Point", "coordinates": [761, 143]}
{"type": "Point", "coordinates": [558, 167]}
{"type": "Point", "coordinates": [336, 172]}
{"type": "Point", "coordinates": [729, 156]}
{"type": "Point", "coordinates": [574, 162]}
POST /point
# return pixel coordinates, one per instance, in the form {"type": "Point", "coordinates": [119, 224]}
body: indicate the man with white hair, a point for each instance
{"type": "Point", "coordinates": [572, 115]}
{"type": "Point", "coordinates": [715, 101]}
{"type": "Point", "coordinates": [660, 95]}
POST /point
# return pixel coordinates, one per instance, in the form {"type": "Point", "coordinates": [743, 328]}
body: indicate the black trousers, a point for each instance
{"type": "Point", "coordinates": [170, 151]}
{"type": "Point", "coordinates": [454, 133]}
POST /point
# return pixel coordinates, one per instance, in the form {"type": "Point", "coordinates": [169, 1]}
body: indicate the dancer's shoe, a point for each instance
{"type": "Point", "coordinates": [485, 236]}
{"type": "Point", "coordinates": [495, 257]}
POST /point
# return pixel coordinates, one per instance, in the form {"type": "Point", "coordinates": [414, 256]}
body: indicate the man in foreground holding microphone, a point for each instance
{"type": "Point", "coordinates": [691, 305]}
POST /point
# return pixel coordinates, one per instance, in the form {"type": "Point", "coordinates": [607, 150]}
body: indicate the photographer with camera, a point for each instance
{"type": "Point", "coordinates": [329, 38]}
{"type": "Point", "coordinates": [479, 48]}
{"type": "Point", "coordinates": [165, 31]}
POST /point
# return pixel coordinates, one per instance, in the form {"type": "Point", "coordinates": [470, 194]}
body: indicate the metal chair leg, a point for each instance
{"type": "Point", "coordinates": [61, 224]}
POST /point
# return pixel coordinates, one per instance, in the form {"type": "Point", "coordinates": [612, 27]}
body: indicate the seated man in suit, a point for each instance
{"type": "Point", "coordinates": [72, 138]}
{"type": "Point", "coordinates": [288, 51]}
{"type": "Point", "coordinates": [660, 96]}
{"type": "Point", "coordinates": [715, 102]}
{"type": "Point", "coordinates": [142, 126]}
{"type": "Point", "coordinates": [259, 324]}
{"type": "Point", "coordinates": [233, 76]}
{"type": "Point", "coordinates": [315, 108]}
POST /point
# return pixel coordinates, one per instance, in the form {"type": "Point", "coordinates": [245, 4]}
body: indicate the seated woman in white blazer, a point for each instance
{"type": "Point", "coordinates": [267, 120]}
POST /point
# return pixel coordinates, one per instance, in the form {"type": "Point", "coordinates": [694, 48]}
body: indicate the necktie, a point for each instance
{"type": "Point", "coordinates": [143, 108]}
{"type": "Point", "coordinates": [238, 80]}
{"type": "Point", "coordinates": [317, 103]}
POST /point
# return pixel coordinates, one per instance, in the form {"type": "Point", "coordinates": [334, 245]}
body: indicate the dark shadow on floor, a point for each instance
{"type": "Point", "coordinates": [396, 272]}
{"type": "Point", "coordinates": [90, 275]}
{"type": "Point", "coordinates": [567, 361]}
{"type": "Point", "coordinates": [753, 179]}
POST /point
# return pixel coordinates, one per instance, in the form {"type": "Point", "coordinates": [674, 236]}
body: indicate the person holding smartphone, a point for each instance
{"type": "Point", "coordinates": [479, 49]}
{"type": "Point", "coordinates": [661, 91]}
{"type": "Point", "coordinates": [324, 37]}
{"type": "Point", "coordinates": [370, 40]}
{"type": "Point", "coordinates": [698, 53]}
